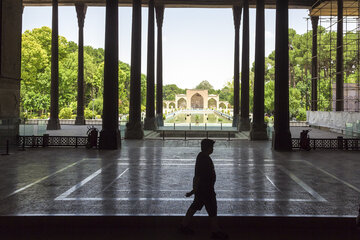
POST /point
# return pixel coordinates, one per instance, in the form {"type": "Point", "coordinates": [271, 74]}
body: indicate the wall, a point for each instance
{"type": "Point", "coordinates": [333, 120]}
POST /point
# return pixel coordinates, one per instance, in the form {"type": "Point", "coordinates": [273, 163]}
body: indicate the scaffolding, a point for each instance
{"type": "Point", "coordinates": [326, 55]}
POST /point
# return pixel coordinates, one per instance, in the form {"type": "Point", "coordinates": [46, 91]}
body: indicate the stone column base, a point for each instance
{"type": "Point", "coordinates": [159, 120]}
{"type": "Point", "coordinates": [282, 141]}
{"type": "Point", "coordinates": [150, 123]}
{"type": "Point", "coordinates": [110, 139]}
{"type": "Point", "coordinates": [244, 124]}
{"type": "Point", "coordinates": [53, 124]}
{"type": "Point", "coordinates": [258, 132]}
{"type": "Point", "coordinates": [80, 120]}
{"type": "Point", "coordinates": [235, 122]}
{"type": "Point", "coordinates": [134, 131]}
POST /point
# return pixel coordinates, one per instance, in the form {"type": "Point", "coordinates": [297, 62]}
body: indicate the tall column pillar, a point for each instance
{"type": "Point", "coordinates": [134, 128]}
{"type": "Point", "coordinates": [110, 134]}
{"type": "Point", "coordinates": [282, 138]}
{"type": "Point", "coordinates": [53, 123]}
{"type": "Point", "coordinates": [237, 20]}
{"type": "Point", "coordinates": [258, 127]}
{"type": "Point", "coordinates": [159, 74]}
{"type": "Point", "coordinates": [314, 63]}
{"type": "Point", "coordinates": [81, 12]}
{"type": "Point", "coordinates": [244, 117]}
{"type": "Point", "coordinates": [340, 59]}
{"type": "Point", "coordinates": [150, 122]}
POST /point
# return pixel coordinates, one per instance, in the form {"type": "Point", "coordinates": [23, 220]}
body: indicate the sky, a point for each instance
{"type": "Point", "coordinates": [198, 43]}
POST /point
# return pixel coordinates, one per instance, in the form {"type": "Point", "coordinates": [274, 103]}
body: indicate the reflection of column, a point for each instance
{"type": "Point", "coordinates": [81, 12]}
{"type": "Point", "coordinates": [258, 127]}
{"type": "Point", "coordinates": [237, 20]}
{"type": "Point", "coordinates": [244, 118]}
{"type": "Point", "coordinates": [134, 128]}
{"type": "Point", "coordinates": [110, 134]}
{"type": "Point", "coordinates": [339, 60]}
{"type": "Point", "coordinates": [149, 122]}
{"type": "Point", "coordinates": [159, 81]}
{"type": "Point", "coordinates": [53, 123]}
{"type": "Point", "coordinates": [314, 67]}
{"type": "Point", "coordinates": [282, 137]}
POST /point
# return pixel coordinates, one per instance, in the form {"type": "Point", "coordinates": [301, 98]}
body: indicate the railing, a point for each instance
{"type": "Point", "coordinates": [330, 143]}
{"type": "Point", "coordinates": [52, 141]}
{"type": "Point", "coordinates": [185, 135]}
{"type": "Point", "coordinates": [67, 121]}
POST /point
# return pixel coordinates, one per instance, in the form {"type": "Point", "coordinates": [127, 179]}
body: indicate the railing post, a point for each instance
{"type": "Point", "coordinates": [221, 125]}
{"type": "Point", "coordinates": [163, 132]}
{"type": "Point", "coordinates": [76, 142]}
{"type": "Point", "coordinates": [228, 136]}
{"type": "Point", "coordinates": [340, 143]}
{"type": "Point", "coordinates": [205, 126]}
{"type": "Point", "coordinates": [190, 126]}
{"type": "Point", "coordinates": [185, 135]}
{"type": "Point", "coordinates": [174, 126]}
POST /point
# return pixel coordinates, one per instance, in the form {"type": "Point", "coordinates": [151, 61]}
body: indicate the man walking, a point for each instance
{"type": "Point", "coordinates": [203, 188]}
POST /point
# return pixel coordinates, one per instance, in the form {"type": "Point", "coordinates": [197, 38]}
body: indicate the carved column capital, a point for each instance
{"type": "Point", "coordinates": [81, 9]}
{"type": "Point", "coordinates": [159, 9]}
{"type": "Point", "coordinates": [237, 15]}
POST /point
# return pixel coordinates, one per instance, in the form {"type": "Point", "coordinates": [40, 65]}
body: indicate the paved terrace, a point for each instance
{"type": "Point", "coordinates": [150, 178]}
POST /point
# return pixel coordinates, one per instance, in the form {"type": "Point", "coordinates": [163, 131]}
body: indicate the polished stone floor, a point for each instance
{"type": "Point", "coordinates": [151, 178]}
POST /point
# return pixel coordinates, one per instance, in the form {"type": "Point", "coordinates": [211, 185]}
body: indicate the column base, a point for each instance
{"type": "Point", "coordinates": [150, 123]}
{"type": "Point", "coordinates": [258, 132]}
{"type": "Point", "coordinates": [110, 139]}
{"type": "Point", "coordinates": [282, 141]}
{"type": "Point", "coordinates": [80, 120]}
{"type": "Point", "coordinates": [159, 120]}
{"type": "Point", "coordinates": [235, 122]}
{"type": "Point", "coordinates": [53, 124]}
{"type": "Point", "coordinates": [244, 124]}
{"type": "Point", "coordinates": [134, 130]}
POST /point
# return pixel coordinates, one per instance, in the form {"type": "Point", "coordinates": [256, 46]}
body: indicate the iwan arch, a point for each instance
{"type": "Point", "coordinates": [10, 64]}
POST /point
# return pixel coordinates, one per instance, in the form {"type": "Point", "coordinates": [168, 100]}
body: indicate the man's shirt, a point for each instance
{"type": "Point", "coordinates": [204, 174]}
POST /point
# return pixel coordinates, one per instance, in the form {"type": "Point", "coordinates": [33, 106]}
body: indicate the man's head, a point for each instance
{"type": "Point", "coordinates": [207, 146]}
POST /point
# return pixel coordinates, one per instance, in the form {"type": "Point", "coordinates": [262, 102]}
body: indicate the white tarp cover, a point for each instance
{"type": "Point", "coordinates": [332, 120]}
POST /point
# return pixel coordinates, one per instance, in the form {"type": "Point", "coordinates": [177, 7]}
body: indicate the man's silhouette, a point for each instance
{"type": "Point", "coordinates": [203, 188]}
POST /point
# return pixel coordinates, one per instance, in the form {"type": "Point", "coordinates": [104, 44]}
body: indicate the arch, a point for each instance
{"type": "Point", "coordinates": [212, 103]}
{"type": "Point", "coordinates": [197, 101]}
{"type": "Point", "coordinates": [181, 103]}
{"type": "Point", "coordinates": [222, 106]}
{"type": "Point", "coordinates": [171, 105]}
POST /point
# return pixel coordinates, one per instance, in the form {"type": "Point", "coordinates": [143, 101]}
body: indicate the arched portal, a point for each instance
{"type": "Point", "coordinates": [222, 106]}
{"type": "Point", "coordinates": [171, 105]}
{"type": "Point", "coordinates": [212, 103]}
{"type": "Point", "coordinates": [197, 101]}
{"type": "Point", "coordinates": [181, 103]}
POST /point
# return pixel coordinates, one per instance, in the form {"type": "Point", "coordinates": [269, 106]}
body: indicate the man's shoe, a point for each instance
{"type": "Point", "coordinates": [186, 230]}
{"type": "Point", "coordinates": [219, 235]}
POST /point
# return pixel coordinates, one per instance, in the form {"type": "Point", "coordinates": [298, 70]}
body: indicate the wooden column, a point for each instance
{"type": "Point", "coordinates": [110, 134]}
{"type": "Point", "coordinates": [282, 138]}
{"type": "Point", "coordinates": [150, 122]}
{"type": "Point", "coordinates": [340, 59]}
{"type": "Point", "coordinates": [237, 20]}
{"type": "Point", "coordinates": [81, 12]}
{"type": "Point", "coordinates": [314, 63]}
{"type": "Point", "coordinates": [134, 128]}
{"type": "Point", "coordinates": [258, 127]}
{"type": "Point", "coordinates": [244, 117]}
{"type": "Point", "coordinates": [159, 74]}
{"type": "Point", "coordinates": [53, 123]}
